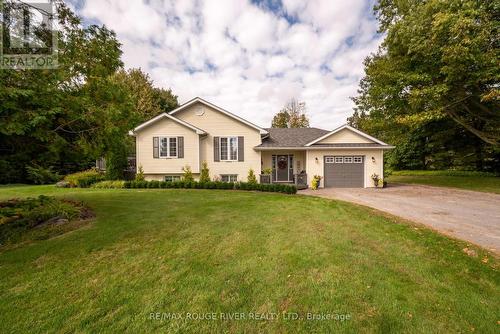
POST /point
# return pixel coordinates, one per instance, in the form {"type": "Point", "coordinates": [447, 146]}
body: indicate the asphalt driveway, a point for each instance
{"type": "Point", "coordinates": [468, 215]}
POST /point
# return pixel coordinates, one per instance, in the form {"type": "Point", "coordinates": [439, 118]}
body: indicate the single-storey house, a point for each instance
{"type": "Point", "coordinates": [199, 131]}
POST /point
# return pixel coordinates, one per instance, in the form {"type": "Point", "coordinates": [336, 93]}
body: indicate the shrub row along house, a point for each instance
{"type": "Point", "coordinates": [199, 131]}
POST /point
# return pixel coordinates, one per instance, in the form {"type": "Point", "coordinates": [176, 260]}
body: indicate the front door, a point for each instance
{"type": "Point", "coordinates": [282, 168]}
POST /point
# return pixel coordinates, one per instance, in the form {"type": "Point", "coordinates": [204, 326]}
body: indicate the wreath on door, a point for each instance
{"type": "Point", "coordinates": [282, 163]}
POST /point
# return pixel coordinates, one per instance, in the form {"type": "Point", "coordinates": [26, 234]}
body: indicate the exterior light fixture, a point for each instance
{"type": "Point", "coordinates": [317, 160]}
{"type": "Point", "coordinates": [373, 159]}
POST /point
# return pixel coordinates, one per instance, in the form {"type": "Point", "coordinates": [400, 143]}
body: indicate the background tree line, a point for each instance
{"type": "Point", "coordinates": [63, 119]}
{"type": "Point", "coordinates": [433, 88]}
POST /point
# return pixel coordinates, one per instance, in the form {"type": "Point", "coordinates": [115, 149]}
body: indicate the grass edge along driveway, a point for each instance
{"type": "Point", "coordinates": [202, 251]}
{"type": "Point", "coordinates": [465, 180]}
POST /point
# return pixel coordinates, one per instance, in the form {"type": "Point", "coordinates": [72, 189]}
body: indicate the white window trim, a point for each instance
{"type": "Point", "coordinates": [338, 160]}
{"type": "Point", "coordinates": [168, 156]}
{"type": "Point", "coordinates": [348, 160]}
{"type": "Point", "coordinates": [329, 160]}
{"type": "Point", "coordinates": [228, 146]}
{"type": "Point", "coordinates": [357, 160]}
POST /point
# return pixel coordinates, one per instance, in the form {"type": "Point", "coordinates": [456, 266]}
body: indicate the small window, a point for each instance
{"type": "Point", "coordinates": [348, 160]}
{"type": "Point", "coordinates": [228, 148]}
{"type": "Point", "coordinates": [229, 177]}
{"type": "Point", "coordinates": [329, 160]}
{"type": "Point", "coordinates": [358, 160]}
{"type": "Point", "coordinates": [172, 178]}
{"type": "Point", "coordinates": [339, 160]}
{"type": "Point", "coordinates": [168, 147]}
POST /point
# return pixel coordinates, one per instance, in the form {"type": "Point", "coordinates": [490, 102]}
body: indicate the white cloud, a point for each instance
{"type": "Point", "coordinates": [278, 64]}
{"type": "Point", "coordinates": [244, 57]}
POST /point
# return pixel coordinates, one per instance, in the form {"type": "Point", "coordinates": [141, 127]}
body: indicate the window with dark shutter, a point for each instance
{"type": "Point", "coordinates": [228, 149]}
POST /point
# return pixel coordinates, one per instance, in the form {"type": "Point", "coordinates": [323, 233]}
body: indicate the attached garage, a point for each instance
{"type": "Point", "coordinates": [342, 158]}
{"type": "Point", "coordinates": [344, 171]}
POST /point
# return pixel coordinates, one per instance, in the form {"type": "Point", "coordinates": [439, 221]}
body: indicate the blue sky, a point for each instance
{"type": "Point", "coordinates": [249, 57]}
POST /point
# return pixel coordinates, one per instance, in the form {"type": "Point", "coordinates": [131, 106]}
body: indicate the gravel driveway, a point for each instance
{"type": "Point", "coordinates": [468, 215]}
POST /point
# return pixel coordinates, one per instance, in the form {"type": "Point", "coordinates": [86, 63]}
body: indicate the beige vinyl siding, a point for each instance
{"type": "Point", "coordinates": [217, 124]}
{"type": "Point", "coordinates": [161, 176]}
{"type": "Point", "coordinates": [166, 128]}
{"type": "Point", "coordinates": [316, 167]}
{"type": "Point", "coordinates": [344, 136]}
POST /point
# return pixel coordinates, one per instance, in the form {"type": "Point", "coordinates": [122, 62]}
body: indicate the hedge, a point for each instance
{"type": "Point", "coordinates": [280, 188]}
{"type": "Point", "coordinates": [109, 184]}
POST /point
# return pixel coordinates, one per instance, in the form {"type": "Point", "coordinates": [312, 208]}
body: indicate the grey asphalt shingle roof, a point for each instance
{"type": "Point", "coordinates": [280, 137]}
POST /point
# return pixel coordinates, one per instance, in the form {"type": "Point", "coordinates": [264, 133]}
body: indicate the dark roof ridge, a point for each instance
{"type": "Point", "coordinates": [310, 127]}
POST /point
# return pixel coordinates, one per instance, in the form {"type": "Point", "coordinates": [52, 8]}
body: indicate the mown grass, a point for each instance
{"type": "Point", "coordinates": [484, 182]}
{"type": "Point", "coordinates": [201, 251]}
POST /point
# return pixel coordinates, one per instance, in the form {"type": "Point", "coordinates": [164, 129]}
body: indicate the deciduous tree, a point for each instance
{"type": "Point", "coordinates": [437, 65]}
{"type": "Point", "coordinates": [293, 115]}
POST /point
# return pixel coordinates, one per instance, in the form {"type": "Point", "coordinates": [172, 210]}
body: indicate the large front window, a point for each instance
{"type": "Point", "coordinates": [168, 147]}
{"type": "Point", "coordinates": [229, 148]}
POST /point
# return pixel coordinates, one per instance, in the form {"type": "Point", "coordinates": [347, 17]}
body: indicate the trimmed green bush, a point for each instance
{"type": "Point", "coordinates": [140, 174]}
{"type": "Point", "coordinates": [84, 179]}
{"type": "Point", "coordinates": [118, 184]}
{"type": "Point", "coordinates": [187, 176]}
{"type": "Point", "coordinates": [279, 188]}
{"type": "Point", "coordinates": [251, 178]}
{"type": "Point", "coordinates": [205, 173]}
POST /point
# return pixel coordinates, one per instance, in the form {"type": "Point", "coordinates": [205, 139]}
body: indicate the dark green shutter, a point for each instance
{"type": "Point", "coordinates": [156, 147]}
{"type": "Point", "coordinates": [241, 149]}
{"type": "Point", "coordinates": [180, 147]}
{"type": "Point", "coordinates": [216, 149]}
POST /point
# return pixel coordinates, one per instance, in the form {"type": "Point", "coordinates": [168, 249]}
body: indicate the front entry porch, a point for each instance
{"type": "Point", "coordinates": [284, 167]}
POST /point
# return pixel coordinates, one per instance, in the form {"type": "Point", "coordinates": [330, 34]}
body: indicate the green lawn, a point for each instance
{"type": "Point", "coordinates": [204, 251]}
{"type": "Point", "coordinates": [469, 182]}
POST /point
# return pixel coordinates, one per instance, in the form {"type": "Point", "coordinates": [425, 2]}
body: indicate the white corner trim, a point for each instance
{"type": "Point", "coordinates": [225, 112]}
{"type": "Point", "coordinates": [163, 115]}
{"type": "Point", "coordinates": [346, 126]}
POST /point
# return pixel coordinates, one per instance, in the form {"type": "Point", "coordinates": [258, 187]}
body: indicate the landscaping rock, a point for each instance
{"type": "Point", "coordinates": [62, 184]}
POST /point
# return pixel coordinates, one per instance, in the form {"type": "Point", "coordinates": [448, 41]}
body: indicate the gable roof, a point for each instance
{"type": "Point", "coordinates": [291, 137]}
{"type": "Point", "coordinates": [308, 138]}
{"type": "Point", "coordinates": [348, 127]}
{"type": "Point", "coordinates": [223, 111]}
{"type": "Point", "coordinates": [165, 115]}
